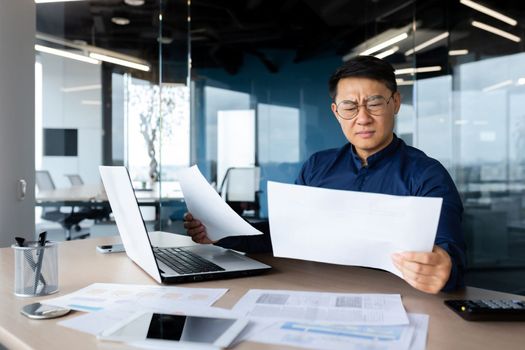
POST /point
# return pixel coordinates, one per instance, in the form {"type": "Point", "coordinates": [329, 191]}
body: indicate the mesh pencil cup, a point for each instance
{"type": "Point", "coordinates": [36, 269]}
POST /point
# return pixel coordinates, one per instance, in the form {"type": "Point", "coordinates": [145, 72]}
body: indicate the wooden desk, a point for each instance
{"type": "Point", "coordinates": [80, 266]}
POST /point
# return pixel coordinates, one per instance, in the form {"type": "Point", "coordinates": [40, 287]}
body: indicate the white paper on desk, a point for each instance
{"type": "Point", "coordinates": [343, 308]}
{"type": "Point", "coordinates": [205, 204]}
{"type": "Point", "coordinates": [345, 337]}
{"type": "Point", "coordinates": [97, 322]}
{"type": "Point", "coordinates": [100, 296]}
{"type": "Point", "coordinates": [349, 228]}
{"type": "Point", "coordinates": [420, 323]}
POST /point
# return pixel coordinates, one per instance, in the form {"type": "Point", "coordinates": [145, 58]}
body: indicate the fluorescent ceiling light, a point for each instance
{"type": "Point", "coordinates": [427, 43]}
{"type": "Point", "coordinates": [417, 70]}
{"type": "Point", "coordinates": [82, 88]}
{"type": "Point", "coordinates": [458, 52]}
{"type": "Point", "coordinates": [388, 52]}
{"type": "Point", "coordinates": [497, 86]}
{"type": "Point", "coordinates": [496, 31]}
{"type": "Point", "coordinates": [134, 2]}
{"type": "Point", "coordinates": [91, 102]}
{"type": "Point", "coordinates": [120, 61]}
{"type": "Point", "coordinates": [384, 44]}
{"type": "Point", "coordinates": [66, 54]}
{"type": "Point", "coordinates": [46, 1]}
{"type": "Point", "coordinates": [521, 81]}
{"type": "Point", "coordinates": [121, 21]}
{"type": "Point", "coordinates": [400, 82]}
{"type": "Point", "coordinates": [489, 12]}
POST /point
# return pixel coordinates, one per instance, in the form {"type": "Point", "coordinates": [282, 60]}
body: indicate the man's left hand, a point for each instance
{"type": "Point", "coordinates": [428, 272]}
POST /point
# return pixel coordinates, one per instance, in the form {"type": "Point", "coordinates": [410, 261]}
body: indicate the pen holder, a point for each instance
{"type": "Point", "coordinates": [36, 269]}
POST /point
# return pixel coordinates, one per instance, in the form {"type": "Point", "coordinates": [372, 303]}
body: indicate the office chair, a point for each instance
{"type": "Point", "coordinates": [69, 220]}
{"type": "Point", "coordinates": [95, 211]}
{"type": "Point", "coordinates": [75, 179]}
{"type": "Point", "coordinates": [240, 189]}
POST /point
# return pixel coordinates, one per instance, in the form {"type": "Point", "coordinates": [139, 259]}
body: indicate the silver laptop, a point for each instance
{"type": "Point", "coordinates": [167, 265]}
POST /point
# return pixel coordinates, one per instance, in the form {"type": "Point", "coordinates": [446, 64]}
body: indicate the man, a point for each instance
{"type": "Point", "coordinates": [365, 103]}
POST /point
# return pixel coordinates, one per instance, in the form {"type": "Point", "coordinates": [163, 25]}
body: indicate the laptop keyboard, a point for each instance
{"type": "Point", "coordinates": [184, 262]}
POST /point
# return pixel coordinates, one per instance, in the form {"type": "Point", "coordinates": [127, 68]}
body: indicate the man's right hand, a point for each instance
{"type": "Point", "coordinates": [196, 229]}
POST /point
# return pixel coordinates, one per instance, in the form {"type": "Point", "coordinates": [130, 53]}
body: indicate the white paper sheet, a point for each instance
{"type": "Point", "coordinates": [100, 296]}
{"type": "Point", "coordinates": [341, 308]}
{"type": "Point", "coordinates": [206, 205]}
{"type": "Point", "coordinates": [349, 228]}
{"type": "Point", "coordinates": [96, 322]}
{"type": "Point", "coordinates": [344, 337]}
{"type": "Point", "coordinates": [420, 323]}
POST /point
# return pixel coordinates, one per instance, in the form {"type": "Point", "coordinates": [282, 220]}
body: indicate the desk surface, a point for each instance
{"type": "Point", "coordinates": [80, 265]}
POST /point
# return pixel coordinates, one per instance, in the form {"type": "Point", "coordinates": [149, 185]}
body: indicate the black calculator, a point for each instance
{"type": "Point", "coordinates": [489, 309]}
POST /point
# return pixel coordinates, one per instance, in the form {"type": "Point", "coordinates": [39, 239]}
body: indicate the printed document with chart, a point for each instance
{"type": "Point", "coordinates": [349, 228]}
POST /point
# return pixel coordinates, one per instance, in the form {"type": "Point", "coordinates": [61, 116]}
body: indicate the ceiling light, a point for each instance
{"type": "Point", "coordinates": [46, 1]}
{"type": "Point", "coordinates": [165, 40]}
{"type": "Point", "coordinates": [384, 44]}
{"type": "Point", "coordinates": [401, 82]}
{"type": "Point", "coordinates": [458, 52]}
{"type": "Point", "coordinates": [134, 2]}
{"type": "Point", "coordinates": [496, 31]}
{"type": "Point", "coordinates": [417, 70]}
{"type": "Point", "coordinates": [91, 102]}
{"type": "Point", "coordinates": [120, 61]}
{"type": "Point", "coordinates": [82, 88]}
{"type": "Point", "coordinates": [66, 54]}
{"type": "Point", "coordinates": [121, 21]}
{"type": "Point", "coordinates": [521, 81]}
{"type": "Point", "coordinates": [497, 86]}
{"type": "Point", "coordinates": [388, 52]}
{"type": "Point", "coordinates": [427, 43]}
{"type": "Point", "coordinates": [489, 12]}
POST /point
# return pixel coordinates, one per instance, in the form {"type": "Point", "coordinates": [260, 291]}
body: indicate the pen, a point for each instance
{"type": "Point", "coordinates": [40, 252]}
{"type": "Point", "coordinates": [20, 241]}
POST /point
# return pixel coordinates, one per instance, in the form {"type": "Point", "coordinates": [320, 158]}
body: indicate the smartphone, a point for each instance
{"type": "Point", "coordinates": [110, 248]}
{"type": "Point", "coordinates": [179, 331]}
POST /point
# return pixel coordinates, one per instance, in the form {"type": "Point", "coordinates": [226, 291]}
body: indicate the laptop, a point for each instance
{"type": "Point", "coordinates": [168, 265]}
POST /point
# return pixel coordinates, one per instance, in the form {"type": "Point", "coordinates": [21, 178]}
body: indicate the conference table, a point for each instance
{"type": "Point", "coordinates": [90, 195]}
{"type": "Point", "coordinates": [80, 265]}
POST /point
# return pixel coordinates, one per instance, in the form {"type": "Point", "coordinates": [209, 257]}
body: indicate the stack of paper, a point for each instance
{"type": "Point", "coordinates": [112, 303]}
{"type": "Point", "coordinates": [331, 320]}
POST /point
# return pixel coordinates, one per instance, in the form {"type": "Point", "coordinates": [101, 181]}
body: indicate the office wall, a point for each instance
{"type": "Point", "coordinates": [17, 132]}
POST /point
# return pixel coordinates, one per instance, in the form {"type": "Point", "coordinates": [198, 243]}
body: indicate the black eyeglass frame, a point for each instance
{"type": "Point", "coordinates": [361, 105]}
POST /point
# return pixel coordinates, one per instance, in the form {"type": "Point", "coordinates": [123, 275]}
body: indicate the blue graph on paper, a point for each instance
{"type": "Point", "coordinates": [380, 333]}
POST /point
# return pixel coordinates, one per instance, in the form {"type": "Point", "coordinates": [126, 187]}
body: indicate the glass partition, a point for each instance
{"type": "Point", "coordinates": [244, 84]}
{"type": "Point", "coordinates": [111, 89]}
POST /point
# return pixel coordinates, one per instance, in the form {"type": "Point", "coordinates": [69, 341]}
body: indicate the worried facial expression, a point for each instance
{"type": "Point", "coordinates": [365, 109]}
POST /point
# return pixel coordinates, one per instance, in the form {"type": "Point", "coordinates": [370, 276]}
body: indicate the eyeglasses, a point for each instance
{"type": "Point", "coordinates": [375, 105]}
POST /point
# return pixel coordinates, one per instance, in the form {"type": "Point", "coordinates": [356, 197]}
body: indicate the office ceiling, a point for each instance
{"type": "Point", "coordinates": [225, 32]}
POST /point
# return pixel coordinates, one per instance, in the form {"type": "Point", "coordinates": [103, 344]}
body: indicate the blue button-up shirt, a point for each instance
{"type": "Point", "coordinates": [401, 170]}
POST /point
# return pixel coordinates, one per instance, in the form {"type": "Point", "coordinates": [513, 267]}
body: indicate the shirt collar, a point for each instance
{"type": "Point", "coordinates": [376, 157]}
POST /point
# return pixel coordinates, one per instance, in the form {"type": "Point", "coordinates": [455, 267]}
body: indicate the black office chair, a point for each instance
{"type": "Point", "coordinates": [240, 190]}
{"type": "Point", "coordinates": [69, 221]}
{"type": "Point", "coordinates": [97, 212]}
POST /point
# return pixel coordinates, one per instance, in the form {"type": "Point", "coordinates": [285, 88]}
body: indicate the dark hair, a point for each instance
{"type": "Point", "coordinates": [366, 67]}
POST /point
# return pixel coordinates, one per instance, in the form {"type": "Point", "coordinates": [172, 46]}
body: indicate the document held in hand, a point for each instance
{"type": "Point", "coordinates": [205, 204]}
{"type": "Point", "coordinates": [347, 227]}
